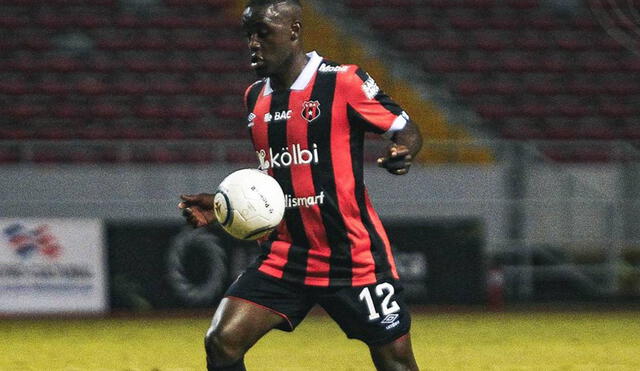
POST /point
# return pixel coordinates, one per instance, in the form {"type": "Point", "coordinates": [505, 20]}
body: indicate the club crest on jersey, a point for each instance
{"type": "Point", "coordinates": [310, 110]}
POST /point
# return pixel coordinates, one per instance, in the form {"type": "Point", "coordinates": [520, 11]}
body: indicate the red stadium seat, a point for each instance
{"type": "Point", "coordinates": [24, 111]}
{"type": "Point", "coordinates": [469, 88]}
{"type": "Point", "coordinates": [202, 87]}
{"type": "Point", "coordinates": [230, 44]}
{"type": "Point", "coordinates": [544, 88]}
{"type": "Point", "coordinates": [442, 65]}
{"type": "Point", "coordinates": [129, 87]}
{"type": "Point", "coordinates": [168, 87]}
{"type": "Point", "coordinates": [504, 23]}
{"type": "Point", "coordinates": [152, 111]}
{"type": "Point", "coordinates": [583, 88]}
{"type": "Point", "coordinates": [68, 111]}
{"type": "Point", "coordinates": [519, 64]}
{"type": "Point", "coordinates": [230, 112]}
{"type": "Point", "coordinates": [494, 111]}
{"type": "Point", "coordinates": [10, 22]}
{"type": "Point", "coordinates": [466, 23]}
{"type": "Point", "coordinates": [8, 133]}
{"type": "Point", "coordinates": [194, 43]}
{"type": "Point", "coordinates": [616, 111]}
{"type": "Point", "coordinates": [192, 3]}
{"type": "Point", "coordinates": [574, 110]}
{"type": "Point", "coordinates": [54, 88]}
{"type": "Point", "coordinates": [16, 87]}
{"type": "Point", "coordinates": [548, 23]}
{"type": "Point", "coordinates": [479, 4]}
{"type": "Point", "coordinates": [523, 4]}
{"type": "Point", "coordinates": [599, 132]}
{"type": "Point", "coordinates": [106, 111]}
{"type": "Point", "coordinates": [519, 131]}
{"type": "Point", "coordinates": [561, 132]}
{"type": "Point", "coordinates": [185, 112]}
{"type": "Point", "coordinates": [535, 110]}
{"type": "Point", "coordinates": [143, 65]}
{"type": "Point", "coordinates": [9, 156]}
{"type": "Point", "coordinates": [532, 43]}
{"type": "Point", "coordinates": [554, 65]}
{"type": "Point", "coordinates": [491, 44]}
{"type": "Point", "coordinates": [91, 87]}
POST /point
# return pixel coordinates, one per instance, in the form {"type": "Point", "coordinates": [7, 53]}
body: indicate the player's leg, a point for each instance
{"type": "Point", "coordinates": [254, 304]}
{"type": "Point", "coordinates": [236, 326]}
{"type": "Point", "coordinates": [395, 356]}
{"type": "Point", "coordinates": [377, 315]}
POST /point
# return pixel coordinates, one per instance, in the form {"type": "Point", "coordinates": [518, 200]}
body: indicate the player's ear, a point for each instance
{"type": "Point", "coordinates": [296, 28]}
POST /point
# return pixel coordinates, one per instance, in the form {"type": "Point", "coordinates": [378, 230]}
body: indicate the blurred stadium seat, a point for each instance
{"type": "Point", "coordinates": [528, 70]}
{"type": "Point", "coordinates": [79, 69]}
{"type": "Point", "coordinates": [170, 69]}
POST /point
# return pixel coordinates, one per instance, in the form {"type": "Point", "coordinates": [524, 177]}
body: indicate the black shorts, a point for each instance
{"type": "Point", "coordinates": [375, 314]}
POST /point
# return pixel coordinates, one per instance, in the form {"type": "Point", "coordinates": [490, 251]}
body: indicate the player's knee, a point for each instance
{"type": "Point", "coordinates": [396, 356]}
{"type": "Point", "coordinates": [221, 346]}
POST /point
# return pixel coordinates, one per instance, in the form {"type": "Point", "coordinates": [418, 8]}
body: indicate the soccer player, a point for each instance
{"type": "Point", "coordinates": [307, 118]}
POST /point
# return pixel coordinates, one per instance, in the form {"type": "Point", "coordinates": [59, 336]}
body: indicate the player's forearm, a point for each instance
{"type": "Point", "coordinates": [409, 137]}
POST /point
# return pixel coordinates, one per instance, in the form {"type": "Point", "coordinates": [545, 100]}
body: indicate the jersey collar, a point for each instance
{"type": "Point", "coordinates": [305, 76]}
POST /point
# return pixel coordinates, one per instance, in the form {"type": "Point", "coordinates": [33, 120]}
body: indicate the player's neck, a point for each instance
{"type": "Point", "coordinates": [284, 80]}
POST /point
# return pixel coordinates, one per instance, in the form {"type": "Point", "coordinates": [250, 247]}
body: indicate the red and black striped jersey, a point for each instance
{"type": "Point", "coordinates": [310, 138]}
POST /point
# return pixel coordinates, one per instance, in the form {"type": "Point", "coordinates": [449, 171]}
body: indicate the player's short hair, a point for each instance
{"type": "Point", "coordinates": [254, 3]}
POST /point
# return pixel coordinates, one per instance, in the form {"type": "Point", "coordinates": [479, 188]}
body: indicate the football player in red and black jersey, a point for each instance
{"type": "Point", "coordinates": [307, 117]}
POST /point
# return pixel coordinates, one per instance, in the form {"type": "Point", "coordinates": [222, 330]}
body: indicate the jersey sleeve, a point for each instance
{"type": "Point", "coordinates": [373, 106]}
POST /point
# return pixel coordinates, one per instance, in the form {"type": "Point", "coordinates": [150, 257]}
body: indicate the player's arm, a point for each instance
{"type": "Point", "coordinates": [198, 209]}
{"type": "Point", "coordinates": [378, 113]}
{"type": "Point", "coordinates": [400, 154]}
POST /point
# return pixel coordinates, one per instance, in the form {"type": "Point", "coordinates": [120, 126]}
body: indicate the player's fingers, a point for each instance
{"type": "Point", "coordinates": [395, 163]}
{"type": "Point", "coordinates": [382, 162]}
{"type": "Point", "coordinates": [189, 198]}
{"type": "Point", "coordinates": [399, 171]}
{"type": "Point", "coordinates": [401, 151]}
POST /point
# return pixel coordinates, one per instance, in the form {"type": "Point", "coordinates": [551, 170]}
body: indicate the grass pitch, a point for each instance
{"type": "Point", "coordinates": [472, 341]}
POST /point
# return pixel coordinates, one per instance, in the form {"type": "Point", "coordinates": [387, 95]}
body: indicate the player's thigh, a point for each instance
{"type": "Point", "coordinates": [277, 303]}
{"type": "Point", "coordinates": [375, 314]}
{"type": "Point", "coordinates": [240, 323]}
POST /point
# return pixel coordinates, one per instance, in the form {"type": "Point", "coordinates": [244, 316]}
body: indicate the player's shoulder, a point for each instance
{"type": "Point", "coordinates": [348, 73]}
{"type": "Point", "coordinates": [255, 85]}
{"type": "Point", "coordinates": [251, 93]}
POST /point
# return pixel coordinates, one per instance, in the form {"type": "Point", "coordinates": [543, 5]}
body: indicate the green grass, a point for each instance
{"type": "Point", "coordinates": [475, 341]}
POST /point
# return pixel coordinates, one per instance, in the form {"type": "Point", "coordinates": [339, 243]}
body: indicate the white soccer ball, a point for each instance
{"type": "Point", "coordinates": [249, 204]}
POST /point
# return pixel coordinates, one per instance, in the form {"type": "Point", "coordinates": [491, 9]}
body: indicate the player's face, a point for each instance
{"type": "Point", "coordinates": [269, 36]}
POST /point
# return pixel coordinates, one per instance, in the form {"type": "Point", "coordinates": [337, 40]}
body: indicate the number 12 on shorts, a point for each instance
{"type": "Point", "coordinates": [386, 306]}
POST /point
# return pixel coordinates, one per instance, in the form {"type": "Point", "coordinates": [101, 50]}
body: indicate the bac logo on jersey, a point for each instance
{"type": "Point", "coordinates": [278, 116]}
{"type": "Point", "coordinates": [310, 110]}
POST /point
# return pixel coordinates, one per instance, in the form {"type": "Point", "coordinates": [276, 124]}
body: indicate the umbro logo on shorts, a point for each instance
{"type": "Point", "coordinates": [390, 318]}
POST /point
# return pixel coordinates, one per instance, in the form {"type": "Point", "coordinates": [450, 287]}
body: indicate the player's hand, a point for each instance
{"type": "Point", "coordinates": [197, 209]}
{"type": "Point", "coordinates": [397, 161]}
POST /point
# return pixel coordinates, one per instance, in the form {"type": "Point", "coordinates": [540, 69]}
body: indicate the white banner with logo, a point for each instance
{"type": "Point", "coordinates": [52, 266]}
